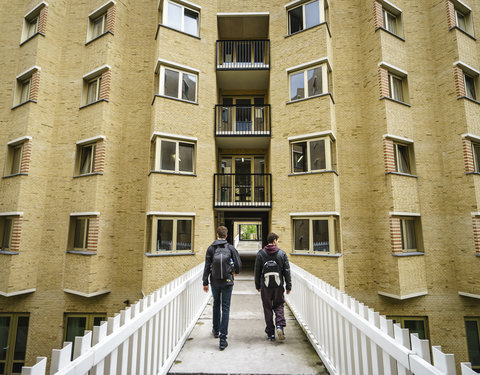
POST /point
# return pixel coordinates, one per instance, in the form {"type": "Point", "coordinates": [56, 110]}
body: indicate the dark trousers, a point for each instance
{"type": "Point", "coordinates": [222, 295]}
{"type": "Point", "coordinates": [273, 300]}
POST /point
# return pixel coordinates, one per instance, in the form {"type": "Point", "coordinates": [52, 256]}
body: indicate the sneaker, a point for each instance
{"type": "Point", "coordinates": [215, 334]}
{"type": "Point", "coordinates": [223, 344]}
{"type": "Point", "coordinates": [280, 334]}
{"type": "Point", "coordinates": [271, 337]}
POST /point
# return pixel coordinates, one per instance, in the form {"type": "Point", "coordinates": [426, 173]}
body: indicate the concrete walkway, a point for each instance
{"type": "Point", "coordinates": [248, 351]}
{"type": "Point", "coordinates": [249, 248]}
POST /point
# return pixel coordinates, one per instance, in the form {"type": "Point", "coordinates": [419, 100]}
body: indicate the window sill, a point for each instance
{"type": "Point", "coordinates": [88, 174]}
{"type": "Point", "coordinates": [178, 31]}
{"type": "Point", "coordinates": [30, 38]}
{"type": "Point", "coordinates": [168, 253]}
{"type": "Point", "coordinates": [469, 99]}
{"type": "Point", "coordinates": [172, 98]}
{"type": "Point", "coordinates": [78, 252]}
{"type": "Point", "coordinates": [395, 100]}
{"type": "Point", "coordinates": [313, 172]}
{"type": "Point", "coordinates": [6, 252]}
{"type": "Point", "coordinates": [389, 32]}
{"type": "Point", "coordinates": [402, 174]}
{"type": "Point", "coordinates": [95, 102]}
{"type": "Point", "coordinates": [19, 105]}
{"type": "Point", "coordinates": [463, 32]}
{"type": "Point", "coordinates": [310, 28]}
{"type": "Point", "coordinates": [176, 173]}
{"type": "Point", "coordinates": [317, 254]}
{"type": "Point", "coordinates": [15, 175]}
{"type": "Point", "coordinates": [98, 37]}
{"type": "Point", "coordinates": [474, 173]}
{"type": "Point", "coordinates": [409, 254]}
{"type": "Point", "coordinates": [477, 255]}
{"type": "Point", "coordinates": [312, 97]}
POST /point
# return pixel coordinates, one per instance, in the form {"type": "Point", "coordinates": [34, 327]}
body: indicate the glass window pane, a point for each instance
{"type": "Point", "coordinates": [314, 80]}
{"type": "Point", "coordinates": [470, 87]}
{"type": "Point", "coordinates": [86, 162]}
{"type": "Point", "coordinates": [320, 235]}
{"type": "Point", "coordinates": [32, 27]}
{"type": "Point", "coordinates": [299, 151]}
{"type": "Point", "coordinates": [190, 22]}
{"type": "Point", "coordinates": [171, 83]}
{"type": "Point", "coordinates": [168, 155]}
{"type": "Point", "coordinates": [409, 239]}
{"type": "Point", "coordinates": [403, 159]}
{"type": "Point", "coordinates": [461, 21]}
{"type": "Point", "coordinates": [186, 157]}
{"type": "Point", "coordinates": [16, 159]}
{"type": "Point", "coordinates": [317, 155]}
{"type": "Point", "coordinates": [25, 94]}
{"type": "Point", "coordinates": [92, 91]}
{"type": "Point", "coordinates": [81, 227]}
{"type": "Point", "coordinates": [259, 165]}
{"type": "Point", "coordinates": [98, 26]}
{"type": "Point", "coordinates": [174, 16]}
{"type": "Point", "coordinates": [164, 235]}
{"type": "Point", "coordinates": [473, 342]}
{"type": "Point", "coordinates": [226, 165]}
{"type": "Point", "coordinates": [476, 154]}
{"type": "Point", "coordinates": [301, 234]}
{"type": "Point", "coordinates": [7, 231]}
{"type": "Point", "coordinates": [312, 14]}
{"type": "Point", "coordinates": [4, 329]}
{"type": "Point", "coordinates": [21, 339]}
{"type": "Point", "coordinates": [76, 326]}
{"type": "Point", "coordinates": [396, 92]}
{"type": "Point", "coordinates": [297, 89]}
{"type": "Point", "coordinates": [184, 234]}
{"type": "Point", "coordinates": [416, 326]}
{"type": "Point", "coordinates": [189, 86]}
{"type": "Point", "coordinates": [97, 320]}
{"type": "Point", "coordinates": [390, 22]}
{"type": "Point", "coordinates": [295, 19]}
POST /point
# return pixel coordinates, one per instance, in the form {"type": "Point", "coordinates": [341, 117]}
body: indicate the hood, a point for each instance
{"type": "Point", "coordinates": [219, 242]}
{"type": "Point", "coordinates": [271, 249]}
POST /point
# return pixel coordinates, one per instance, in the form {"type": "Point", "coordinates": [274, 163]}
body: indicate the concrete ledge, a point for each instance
{"type": "Point", "coordinates": [20, 292]}
{"type": "Point", "coordinates": [471, 295]}
{"type": "Point", "coordinates": [89, 295]}
{"type": "Point", "coordinates": [406, 296]}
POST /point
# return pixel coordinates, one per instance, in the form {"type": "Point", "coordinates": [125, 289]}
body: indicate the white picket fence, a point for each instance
{"type": "Point", "coordinates": [143, 339]}
{"type": "Point", "coordinates": [351, 338]}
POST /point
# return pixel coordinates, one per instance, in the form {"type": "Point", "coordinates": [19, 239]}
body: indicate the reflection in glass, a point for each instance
{"type": "Point", "coordinates": [301, 234]}
{"type": "Point", "coordinates": [164, 235]}
{"type": "Point", "coordinates": [189, 86]}
{"type": "Point", "coordinates": [312, 14]}
{"type": "Point", "coordinates": [171, 83]}
{"type": "Point", "coordinates": [167, 161]}
{"type": "Point", "coordinates": [317, 155]}
{"type": "Point", "coordinates": [314, 80]}
{"type": "Point", "coordinates": [320, 235]}
{"type": "Point", "coordinates": [184, 234]}
{"type": "Point", "coordinates": [297, 89]}
{"type": "Point", "coordinates": [186, 157]}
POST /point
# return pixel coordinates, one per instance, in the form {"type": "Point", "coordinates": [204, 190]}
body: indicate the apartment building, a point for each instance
{"type": "Point", "coordinates": [129, 130]}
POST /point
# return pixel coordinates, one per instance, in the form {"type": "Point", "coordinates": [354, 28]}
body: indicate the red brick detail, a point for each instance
{"type": "Point", "coordinates": [34, 85]}
{"type": "Point", "coordinates": [105, 85]}
{"type": "Point", "coordinates": [26, 154]}
{"type": "Point", "coordinates": [99, 157]}
{"type": "Point", "coordinates": [396, 235]}
{"type": "Point", "coordinates": [93, 231]}
{"type": "Point", "coordinates": [378, 14]}
{"type": "Point", "coordinates": [468, 155]}
{"type": "Point", "coordinates": [459, 81]}
{"type": "Point", "coordinates": [383, 81]}
{"type": "Point", "coordinates": [42, 20]}
{"type": "Point", "coordinates": [389, 154]}
{"type": "Point", "coordinates": [476, 233]}
{"type": "Point", "coordinates": [16, 233]}
{"type": "Point", "coordinates": [451, 19]}
{"type": "Point", "coordinates": [110, 21]}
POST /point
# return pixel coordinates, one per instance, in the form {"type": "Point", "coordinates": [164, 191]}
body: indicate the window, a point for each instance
{"type": "Point", "coordinates": [472, 327]}
{"type": "Point", "coordinates": [396, 87]}
{"type": "Point", "coordinates": [101, 21]}
{"type": "Point", "coordinates": [316, 235]}
{"type": "Point", "coordinates": [34, 22]}
{"type": "Point", "coordinates": [77, 324]}
{"type": "Point", "coordinates": [415, 324]}
{"type": "Point", "coordinates": [171, 234]}
{"type": "Point", "coordinates": [390, 21]}
{"type": "Point", "coordinates": [96, 85]}
{"type": "Point", "coordinates": [174, 156]}
{"type": "Point", "coordinates": [476, 156]}
{"type": "Point", "coordinates": [6, 225]}
{"type": "Point", "coordinates": [178, 84]}
{"type": "Point", "coordinates": [86, 159]}
{"type": "Point", "coordinates": [403, 158]}
{"type": "Point", "coordinates": [179, 17]}
{"type": "Point", "coordinates": [14, 159]}
{"type": "Point", "coordinates": [313, 155]}
{"type": "Point", "coordinates": [32, 27]}
{"type": "Point", "coordinates": [98, 25]}
{"type": "Point", "coordinates": [307, 15]}
{"type": "Point", "coordinates": [13, 342]}
{"type": "Point", "coordinates": [460, 16]}
{"type": "Point", "coordinates": [93, 90]}
{"type": "Point", "coordinates": [410, 234]}
{"type": "Point", "coordinates": [310, 82]}
{"type": "Point", "coordinates": [27, 86]}
{"type": "Point", "coordinates": [470, 87]}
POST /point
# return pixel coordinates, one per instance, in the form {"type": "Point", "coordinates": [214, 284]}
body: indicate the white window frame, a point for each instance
{"type": "Point", "coordinates": [103, 19]}
{"type": "Point", "coordinates": [181, 70]}
{"type": "Point", "coordinates": [322, 17]}
{"type": "Point", "coordinates": [333, 233]}
{"type": "Point", "coordinates": [157, 154]}
{"type": "Point", "coordinates": [476, 161]}
{"type": "Point", "coordinates": [391, 78]}
{"type": "Point", "coordinates": [31, 16]}
{"type": "Point", "coordinates": [325, 80]}
{"type": "Point", "coordinates": [80, 151]}
{"type": "Point", "coordinates": [386, 14]}
{"type": "Point", "coordinates": [90, 82]}
{"type": "Point", "coordinates": [29, 23]}
{"type": "Point", "coordinates": [474, 81]}
{"type": "Point", "coordinates": [154, 217]}
{"type": "Point", "coordinates": [397, 155]}
{"type": "Point", "coordinates": [330, 150]}
{"type": "Point", "coordinates": [184, 5]}
{"type": "Point", "coordinates": [3, 230]}
{"type": "Point", "coordinates": [98, 13]}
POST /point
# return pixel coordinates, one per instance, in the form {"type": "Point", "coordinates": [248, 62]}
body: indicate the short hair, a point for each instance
{"type": "Point", "coordinates": [272, 237]}
{"type": "Point", "coordinates": [222, 231]}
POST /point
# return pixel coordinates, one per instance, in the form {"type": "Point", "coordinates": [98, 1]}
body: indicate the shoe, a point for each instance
{"type": "Point", "coordinates": [271, 337]}
{"type": "Point", "coordinates": [280, 334]}
{"type": "Point", "coordinates": [223, 344]}
{"type": "Point", "coordinates": [215, 334]}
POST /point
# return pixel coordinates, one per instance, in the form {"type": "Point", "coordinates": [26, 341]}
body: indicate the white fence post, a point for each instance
{"type": "Point", "coordinates": [38, 368]}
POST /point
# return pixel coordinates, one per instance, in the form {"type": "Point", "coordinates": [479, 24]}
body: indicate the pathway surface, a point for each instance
{"type": "Point", "coordinates": [248, 351]}
{"type": "Point", "coordinates": [246, 248]}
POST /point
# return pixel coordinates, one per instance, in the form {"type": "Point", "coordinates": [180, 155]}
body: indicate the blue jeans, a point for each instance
{"type": "Point", "coordinates": [221, 294]}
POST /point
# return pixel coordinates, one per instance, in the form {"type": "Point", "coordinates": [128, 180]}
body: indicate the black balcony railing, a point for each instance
{"type": "Point", "coordinates": [242, 190]}
{"type": "Point", "coordinates": [242, 120]}
{"type": "Point", "coordinates": [243, 54]}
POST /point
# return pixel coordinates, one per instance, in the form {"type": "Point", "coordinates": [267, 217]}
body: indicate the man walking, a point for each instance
{"type": "Point", "coordinates": [221, 262]}
{"type": "Point", "coordinates": [272, 270]}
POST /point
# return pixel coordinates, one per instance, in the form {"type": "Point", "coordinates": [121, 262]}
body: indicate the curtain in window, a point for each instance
{"type": "Point", "coordinates": [92, 91]}
{"type": "Point", "coordinates": [75, 327]}
{"type": "Point", "coordinates": [32, 27]}
{"type": "Point", "coordinates": [470, 87]}
{"type": "Point", "coordinates": [390, 22]}
{"type": "Point", "coordinates": [168, 155]}
{"type": "Point", "coordinates": [16, 159]}
{"type": "Point", "coordinates": [164, 235]}
{"type": "Point", "coordinates": [317, 155]}
{"type": "Point", "coordinates": [476, 155]}
{"type": "Point", "coordinates": [409, 235]}
{"type": "Point", "coordinates": [321, 241]}
{"type": "Point", "coordinates": [25, 94]}
{"type": "Point", "coordinates": [397, 89]}
{"type": "Point", "coordinates": [99, 26]}
{"type": "Point", "coordinates": [461, 21]}
{"type": "Point", "coordinates": [301, 234]}
{"type": "Point", "coordinates": [312, 14]}
{"type": "Point", "coordinates": [297, 89]}
{"type": "Point", "coordinates": [186, 157]}
{"type": "Point", "coordinates": [189, 86]}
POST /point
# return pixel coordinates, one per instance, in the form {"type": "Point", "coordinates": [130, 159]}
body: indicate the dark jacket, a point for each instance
{"type": "Point", "coordinates": [281, 259]}
{"type": "Point", "coordinates": [237, 263]}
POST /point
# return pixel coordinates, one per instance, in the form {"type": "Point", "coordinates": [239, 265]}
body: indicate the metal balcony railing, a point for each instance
{"type": "Point", "coordinates": [242, 120]}
{"type": "Point", "coordinates": [243, 190]}
{"type": "Point", "coordinates": [243, 54]}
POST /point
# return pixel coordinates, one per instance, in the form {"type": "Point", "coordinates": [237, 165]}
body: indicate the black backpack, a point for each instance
{"type": "Point", "coordinates": [271, 272]}
{"type": "Point", "coordinates": [222, 263]}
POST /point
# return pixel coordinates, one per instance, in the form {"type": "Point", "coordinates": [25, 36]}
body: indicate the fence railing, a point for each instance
{"type": "Point", "coordinates": [243, 54]}
{"type": "Point", "coordinates": [242, 190]}
{"type": "Point", "coordinates": [351, 338]}
{"type": "Point", "coordinates": [145, 338]}
{"type": "Point", "coordinates": [242, 120]}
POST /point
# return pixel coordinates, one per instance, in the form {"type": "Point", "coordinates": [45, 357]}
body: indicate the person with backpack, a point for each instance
{"type": "Point", "coordinates": [272, 271]}
{"type": "Point", "coordinates": [222, 261]}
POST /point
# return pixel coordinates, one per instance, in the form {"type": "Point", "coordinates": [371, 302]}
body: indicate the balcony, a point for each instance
{"type": "Point", "coordinates": [252, 190]}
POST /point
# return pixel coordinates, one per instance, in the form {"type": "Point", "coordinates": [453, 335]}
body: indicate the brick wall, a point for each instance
{"type": "Point", "coordinates": [34, 85]}
{"type": "Point", "coordinates": [105, 85]}
{"type": "Point", "coordinates": [110, 22]}
{"type": "Point", "coordinates": [16, 232]}
{"type": "Point", "coordinates": [99, 157]}
{"type": "Point", "coordinates": [451, 19]}
{"type": "Point", "coordinates": [476, 233]}
{"type": "Point", "coordinates": [459, 81]}
{"type": "Point", "coordinates": [42, 20]}
{"type": "Point", "coordinates": [26, 154]}
{"type": "Point", "coordinates": [389, 153]}
{"type": "Point", "coordinates": [468, 155]}
{"type": "Point", "coordinates": [383, 82]}
{"type": "Point", "coordinates": [93, 229]}
{"type": "Point", "coordinates": [378, 14]}
{"type": "Point", "coordinates": [396, 235]}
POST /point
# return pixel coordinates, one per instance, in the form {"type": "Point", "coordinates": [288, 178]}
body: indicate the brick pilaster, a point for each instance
{"type": "Point", "coordinates": [389, 155]}
{"type": "Point", "coordinates": [34, 85]}
{"type": "Point", "coordinates": [383, 82]}
{"type": "Point", "coordinates": [378, 14]}
{"type": "Point", "coordinates": [16, 232]}
{"type": "Point", "coordinates": [105, 85]}
{"type": "Point", "coordinates": [42, 20]}
{"type": "Point", "coordinates": [110, 21]}
{"type": "Point", "coordinates": [396, 235]}
{"type": "Point", "coordinates": [99, 157]}
{"type": "Point", "coordinates": [468, 155]}
{"type": "Point", "coordinates": [26, 154]}
{"type": "Point", "coordinates": [451, 19]}
{"type": "Point", "coordinates": [459, 81]}
{"type": "Point", "coordinates": [476, 233]}
{"type": "Point", "coordinates": [93, 229]}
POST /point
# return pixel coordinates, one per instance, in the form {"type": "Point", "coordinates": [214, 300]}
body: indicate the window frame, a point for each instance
{"type": "Point", "coordinates": [153, 225]}
{"type": "Point", "coordinates": [329, 154]}
{"type": "Point", "coordinates": [322, 14]}
{"type": "Point", "coordinates": [6, 232]}
{"type": "Point", "coordinates": [80, 151]}
{"type": "Point", "coordinates": [326, 78]}
{"type": "Point", "coordinates": [73, 232]}
{"type": "Point", "coordinates": [477, 320]}
{"type": "Point", "coordinates": [386, 14]}
{"type": "Point", "coordinates": [11, 341]}
{"type": "Point", "coordinates": [464, 11]}
{"type": "Point", "coordinates": [417, 235]}
{"type": "Point", "coordinates": [179, 84]}
{"type": "Point", "coordinates": [98, 81]}
{"type": "Point", "coordinates": [92, 23]}
{"type": "Point", "coordinates": [400, 319]}
{"type": "Point", "coordinates": [28, 19]}
{"type": "Point", "coordinates": [392, 94]}
{"type": "Point", "coordinates": [397, 157]}
{"type": "Point", "coordinates": [476, 161]}
{"type": "Point", "coordinates": [333, 234]}
{"type": "Point", "coordinates": [474, 81]}
{"type": "Point", "coordinates": [157, 154]}
{"type": "Point", "coordinates": [191, 7]}
{"type": "Point", "coordinates": [89, 323]}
